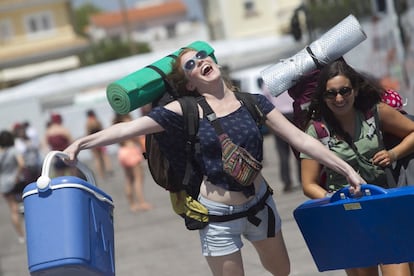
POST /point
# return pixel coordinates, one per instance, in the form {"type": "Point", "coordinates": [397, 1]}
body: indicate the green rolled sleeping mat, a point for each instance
{"type": "Point", "coordinates": [147, 84]}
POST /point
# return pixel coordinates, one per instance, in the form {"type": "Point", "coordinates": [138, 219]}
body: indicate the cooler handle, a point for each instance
{"type": "Point", "coordinates": [366, 189]}
{"type": "Point", "coordinates": [43, 181]}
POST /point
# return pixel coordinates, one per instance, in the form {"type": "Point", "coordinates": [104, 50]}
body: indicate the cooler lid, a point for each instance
{"type": "Point", "coordinates": [68, 182]}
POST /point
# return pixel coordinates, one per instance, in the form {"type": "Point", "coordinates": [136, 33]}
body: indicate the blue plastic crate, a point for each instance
{"type": "Point", "coordinates": [347, 232]}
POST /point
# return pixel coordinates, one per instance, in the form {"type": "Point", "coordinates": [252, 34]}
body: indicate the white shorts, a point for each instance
{"type": "Point", "coordinates": [224, 238]}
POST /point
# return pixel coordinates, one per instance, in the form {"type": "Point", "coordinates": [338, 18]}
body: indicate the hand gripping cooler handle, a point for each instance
{"type": "Point", "coordinates": [43, 181]}
{"type": "Point", "coordinates": [366, 189]}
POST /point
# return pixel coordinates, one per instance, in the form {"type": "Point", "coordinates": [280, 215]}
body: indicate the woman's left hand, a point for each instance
{"type": "Point", "coordinates": [383, 158]}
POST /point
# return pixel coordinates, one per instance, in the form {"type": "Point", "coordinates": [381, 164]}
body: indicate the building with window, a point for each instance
{"type": "Point", "coordinates": [36, 38]}
{"type": "Point", "coordinates": [162, 24]}
{"type": "Point", "coordinates": [232, 19]}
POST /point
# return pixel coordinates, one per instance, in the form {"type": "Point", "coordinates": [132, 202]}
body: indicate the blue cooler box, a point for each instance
{"type": "Point", "coordinates": [346, 232]}
{"type": "Point", "coordinates": [69, 226]}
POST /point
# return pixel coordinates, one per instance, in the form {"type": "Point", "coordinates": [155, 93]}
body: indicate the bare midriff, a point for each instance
{"type": "Point", "coordinates": [220, 195]}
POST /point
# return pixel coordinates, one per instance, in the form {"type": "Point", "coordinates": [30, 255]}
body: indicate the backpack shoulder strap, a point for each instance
{"type": "Point", "coordinates": [372, 116]}
{"type": "Point", "coordinates": [191, 123]}
{"type": "Point", "coordinates": [322, 132]}
{"type": "Point", "coordinates": [190, 115]}
{"type": "Point", "coordinates": [250, 102]}
{"type": "Point", "coordinates": [168, 87]}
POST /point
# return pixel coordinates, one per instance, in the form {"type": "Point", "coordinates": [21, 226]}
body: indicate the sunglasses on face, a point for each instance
{"type": "Point", "coordinates": [332, 93]}
{"type": "Point", "coordinates": [191, 63]}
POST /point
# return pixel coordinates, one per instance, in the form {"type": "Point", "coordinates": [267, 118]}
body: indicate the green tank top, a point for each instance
{"type": "Point", "coordinates": [367, 144]}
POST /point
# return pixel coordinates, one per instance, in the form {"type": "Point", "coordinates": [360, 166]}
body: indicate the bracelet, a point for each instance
{"type": "Point", "coordinates": [393, 155]}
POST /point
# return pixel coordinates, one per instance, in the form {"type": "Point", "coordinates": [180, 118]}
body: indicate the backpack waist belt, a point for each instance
{"type": "Point", "coordinates": [251, 214]}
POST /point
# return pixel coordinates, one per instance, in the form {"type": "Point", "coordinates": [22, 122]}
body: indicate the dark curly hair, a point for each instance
{"type": "Point", "coordinates": [369, 93]}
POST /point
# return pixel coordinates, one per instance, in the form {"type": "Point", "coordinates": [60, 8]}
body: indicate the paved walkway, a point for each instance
{"type": "Point", "coordinates": [156, 243]}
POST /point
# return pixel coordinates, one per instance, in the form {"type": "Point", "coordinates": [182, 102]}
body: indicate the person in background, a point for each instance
{"type": "Point", "coordinates": [30, 152]}
{"type": "Point", "coordinates": [19, 133]}
{"type": "Point", "coordinates": [130, 156]}
{"type": "Point", "coordinates": [342, 101]}
{"type": "Point", "coordinates": [32, 134]}
{"type": "Point", "coordinates": [57, 138]}
{"type": "Point", "coordinates": [195, 73]}
{"type": "Point", "coordinates": [11, 167]}
{"type": "Point", "coordinates": [283, 103]}
{"type": "Point", "coordinates": [102, 161]}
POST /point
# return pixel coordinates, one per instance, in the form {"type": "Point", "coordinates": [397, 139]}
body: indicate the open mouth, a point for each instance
{"type": "Point", "coordinates": [206, 69]}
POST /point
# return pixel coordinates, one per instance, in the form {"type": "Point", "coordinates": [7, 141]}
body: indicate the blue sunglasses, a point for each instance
{"type": "Point", "coordinates": [190, 64]}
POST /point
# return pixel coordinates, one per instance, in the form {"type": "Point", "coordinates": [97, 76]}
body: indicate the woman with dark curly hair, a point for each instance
{"type": "Point", "coordinates": [346, 103]}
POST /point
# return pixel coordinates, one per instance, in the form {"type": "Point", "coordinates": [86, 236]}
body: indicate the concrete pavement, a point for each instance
{"type": "Point", "coordinates": [156, 242]}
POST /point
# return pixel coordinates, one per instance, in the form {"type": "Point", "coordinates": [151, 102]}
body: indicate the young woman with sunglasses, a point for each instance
{"type": "Point", "coordinates": [196, 73]}
{"type": "Point", "coordinates": [342, 100]}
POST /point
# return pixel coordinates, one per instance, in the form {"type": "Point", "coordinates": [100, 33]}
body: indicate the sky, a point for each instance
{"type": "Point", "coordinates": [193, 6]}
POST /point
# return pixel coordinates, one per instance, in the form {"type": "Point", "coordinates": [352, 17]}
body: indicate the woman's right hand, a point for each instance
{"type": "Point", "coordinates": [355, 181]}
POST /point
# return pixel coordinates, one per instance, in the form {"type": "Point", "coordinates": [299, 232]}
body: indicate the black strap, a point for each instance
{"type": "Point", "coordinates": [315, 60]}
{"type": "Point", "coordinates": [172, 56]}
{"type": "Point", "coordinates": [271, 223]}
{"type": "Point", "coordinates": [251, 214]}
{"type": "Point", "coordinates": [191, 122]}
{"type": "Point", "coordinates": [168, 87]}
{"type": "Point", "coordinates": [210, 115]}
{"type": "Point", "coordinates": [246, 99]}
{"type": "Point", "coordinates": [251, 104]}
{"type": "Point", "coordinates": [392, 183]}
{"type": "Point", "coordinates": [378, 127]}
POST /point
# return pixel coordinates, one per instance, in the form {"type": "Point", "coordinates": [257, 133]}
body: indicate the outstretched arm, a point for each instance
{"type": "Point", "coordinates": [312, 147]}
{"type": "Point", "coordinates": [113, 134]}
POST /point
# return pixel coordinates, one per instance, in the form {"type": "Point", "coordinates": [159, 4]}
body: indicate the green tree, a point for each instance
{"type": "Point", "coordinates": [108, 50]}
{"type": "Point", "coordinates": [82, 15]}
{"type": "Point", "coordinates": [324, 14]}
